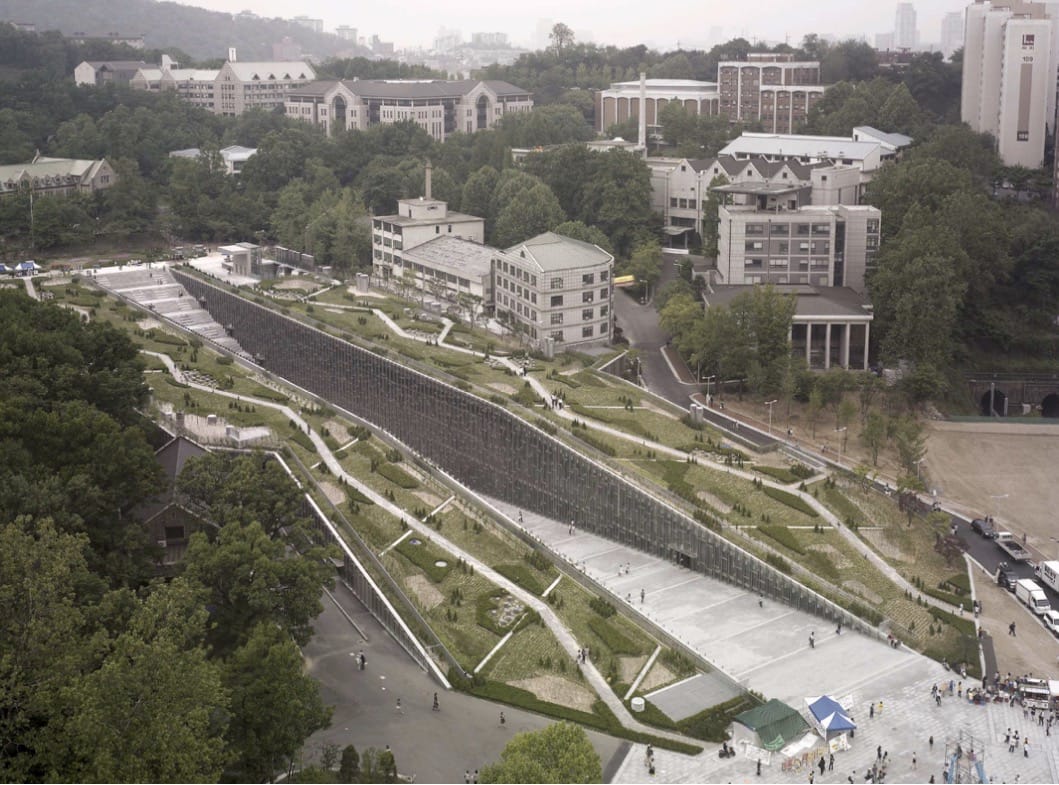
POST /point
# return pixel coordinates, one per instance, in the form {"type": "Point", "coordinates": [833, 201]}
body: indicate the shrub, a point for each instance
{"type": "Point", "coordinates": [592, 441]}
{"type": "Point", "coordinates": [779, 563]}
{"type": "Point", "coordinates": [224, 359]}
{"type": "Point", "coordinates": [712, 724]}
{"type": "Point", "coordinates": [356, 496]}
{"type": "Point", "coordinates": [303, 440]}
{"type": "Point", "coordinates": [548, 427]}
{"type": "Point", "coordinates": [170, 380]}
{"type": "Point", "coordinates": [526, 396]}
{"type": "Point", "coordinates": [784, 537]}
{"type": "Point", "coordinates": [792, 501]}
{"type": "Point", "coordinates": [602, 607]}
{"type": "Point", "coordinates": [777, 473]}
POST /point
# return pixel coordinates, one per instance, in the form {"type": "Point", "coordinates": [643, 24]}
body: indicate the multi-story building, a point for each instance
{"type": "Point", "coordinates": [772, 89]}
{"type": "Point", "coordinates": [906, 35]}
{"type": "Point", "coordinates": [556, 290]}
{"type": "Point", "coordinates": [56, 176]}
{"type": "Point", "coordinates": [132, 41]}
{"type": "Point", "coordinates": [346, 33]}
{"type": "Point", "coordinates": [97, 73]}
{"type": "Point", "coordinates": [1010, 60]}
{"type": "Point", "coordinates": [681, 187]}
{"type": "Point", "coordinates": [441, 108]}
{"type": "Point", "coordinates": [951, 33]}
{"type": "Point", "coordinates": [316, 25]}
{"type": "Point", "coordinates": [832, 245]}
{"type": "Point", "coordinates": [550, 289]}
{"type": "Point", "coordinates": [621, 101]}
{"type": "Point", "coordinates": [231, 89]}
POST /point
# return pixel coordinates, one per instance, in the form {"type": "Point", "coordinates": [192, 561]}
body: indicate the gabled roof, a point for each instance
{"type": "Point", "coordinates": [411, 88]}
{"type": "Point", "coordinates": [75, 168]}
{"type": "Point", "coordinates": [800, 146]}
{"type": "Point", "coordinates": [456, 255]}
{"type": "Point", "coordinates": [172, 456]}
{"type": "Point", "coordinates": [191, 74]}
{"type": "Point", "coordinates": [553, 252]}
{"type": "Point", "coordinates": [117, 65]}
{"type": "Point", "coordinates": [775, 723]}
{"type": "Point", "coordinates": [896, 141]}
{"type": "Point", "coordinates": [275, 70]}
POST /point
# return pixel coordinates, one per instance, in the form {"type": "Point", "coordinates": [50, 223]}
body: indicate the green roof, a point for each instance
{"type": "Point", "coordinates": [775, 723]}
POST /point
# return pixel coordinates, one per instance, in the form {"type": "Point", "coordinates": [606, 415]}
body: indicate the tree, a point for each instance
{"type": "Point", "coordinates": [150, 712]}
{"type": "Point", "coordinates": [587, 234]}
{"type": "Point", "coordinates": [911, 444]}
{"type": "Point", "coordinates": [275, 707]}
{"type": "Point", "coordinates": [349, 767]}
{"type": "Point", "coordinates": [527, 214]}
{"type": "Point", "coordinates": [813, 410]}
{"type": "Point", "coordinates": [250, 579]}
{"type": "Point", "coordinates": [561, 37]}
{"type": "Point", "coordinates": [645, 265]}
{"type": "Point", "coordinates": [618, 198]}
{"type": "Point", "coordinates": [559, 753]}
{"type": "Point", "coordinates": [477, 196]}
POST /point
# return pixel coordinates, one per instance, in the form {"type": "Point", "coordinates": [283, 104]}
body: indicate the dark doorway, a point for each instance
{"type": "Point", "coordinates": [338, 115]}
{"type": "Point", "coordinates": [999, 403]}
{"type": "Point", "coordinates": [1050, 405]}
{"type": "Point", "coordinates": [483, 112]}
{"type": "Point", "coordinates": [680, 558]}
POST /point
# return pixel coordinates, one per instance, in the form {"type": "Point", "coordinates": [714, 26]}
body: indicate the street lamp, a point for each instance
{"type": "Point", "coordinates": [917, 465]}
{"type": "Point", "coordinates": [708, 379]}
{"type": "Point", "coordinates": [996, 507]}
{"type": "Point", "coordinates": [769, 404]}
{"type": "Point", "coordinates": [842, 444]}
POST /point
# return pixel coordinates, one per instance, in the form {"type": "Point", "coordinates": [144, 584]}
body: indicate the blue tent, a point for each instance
{"type": "Point", "coordinates": [829, 716]}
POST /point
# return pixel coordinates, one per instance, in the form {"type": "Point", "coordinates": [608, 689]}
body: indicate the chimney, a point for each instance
{"type": "Point", "coordinates": [426, 181]}
{"type": "Point", "coordinates": [231, 54]}
{"type": "Point", "coordinates": [643, 112]}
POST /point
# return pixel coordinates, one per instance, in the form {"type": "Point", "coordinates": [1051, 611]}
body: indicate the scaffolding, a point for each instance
{"type": "Point", "coordinates": [965, 758]}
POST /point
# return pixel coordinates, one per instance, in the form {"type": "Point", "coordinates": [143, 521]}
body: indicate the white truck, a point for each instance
{"type": "Point", "coordinates": [1033, 596]}
{"type": "Point", "coordinates": [1048, 573]}
{"type": "Point", "coordinates": [1008, 544]}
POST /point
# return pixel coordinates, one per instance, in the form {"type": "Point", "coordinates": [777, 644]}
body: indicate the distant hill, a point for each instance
{"type": "Point", "coordinates": [205, 35]}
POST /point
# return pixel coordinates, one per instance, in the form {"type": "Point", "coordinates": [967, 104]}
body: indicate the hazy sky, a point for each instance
{"type": "Point", "coordinates": [659, 24]}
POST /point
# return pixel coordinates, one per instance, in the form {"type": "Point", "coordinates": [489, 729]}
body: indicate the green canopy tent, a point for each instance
{"type": "Point", "coordinates": [772, 726]}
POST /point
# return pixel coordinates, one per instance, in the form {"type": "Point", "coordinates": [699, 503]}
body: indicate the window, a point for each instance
{"type": "Point", "coordinates": [604, 275]}
{"type": "Point", "coordinates": [174, 532]}
{"type": "Point", "coordinates": [587, 314]}
{"type": "Point", "coordinates": [588, 297]}
{"type": "Point", "coordinates": [557, 283]}
{"type": "Point", "coordinates": [755, 229]}
{"type": "Point", "coordinates": [604, 293]}
{"type": "Point", "coordinates": [533, 297]}
{"type": "Point", "coordinates": [802, 230]}
{"type": "Point", "coordinates": [672, 201]}
{"type": "Point", "coordinates": [603, 310]}
{"type": "Point", "coordinates": [586, 332]}
{"type": "Point", "coordinates": [803, 247]}
{"type": "Point", "coordinates": [754, 245]}
{"type": "Point", "coordinates": [588, 279]}
{"type": "Point", "coordinates": [557, 318]}
{"type": "Point", "coordinates": [873, 225]}
{"type": "Point", "coordinates": [556, 301]}
{"type": "Point", "coordinates": [684, 203]}
{"type": "Point", "coordinates": [437, 230]}
{"type": "Point", "coordinates": [691, 203]}
{"type": "Point", "coordinates": [557, 335]}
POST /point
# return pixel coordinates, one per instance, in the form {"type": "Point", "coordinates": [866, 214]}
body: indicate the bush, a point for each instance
{"type": "Point", "coordinates": [777, 473]}
{"type": "Point", "coordinates": [162, 337]}
{"type": "Point", "coordinates": [784, 537]}
{"type": "Point", "coordinates": [526, 396]}
{"type": "Point", "coordinates": [548, 427]}
{"type": "Point", "coordinates": [613, 638]}
{"type": "Point", "coordinates": [592, 441]}
{"type": "Point", "coordinates": [224, 359]}
{"type": "Point", "coordinates": [171, 381]}
{"type": "Point", "coordinates": [424, 557]}
{"type": "Point", "coordinates": [779, 563]}
{"type": "Point", "coordinates": [302, 440]}
{"type": "Point", "coordinates": [397, 476]}
{"type": "Point", "coordinates": [952, 599]}
{"type": "Point", "coordinates": [792, 501]}
{"type": "Point", "coordinates": [522, 576]}
{"type": "Point", "coordinates": [602, 607]}
{"type": "Point", "coordinates": [712, 724]}
{"type": "Point", "coordinates": [356, 496]}
{"type": "Point", "coordinates": [964, 626]}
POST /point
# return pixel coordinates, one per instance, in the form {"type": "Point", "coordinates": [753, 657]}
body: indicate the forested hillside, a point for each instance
{"type": "Point", "coordinates": [202, 34]}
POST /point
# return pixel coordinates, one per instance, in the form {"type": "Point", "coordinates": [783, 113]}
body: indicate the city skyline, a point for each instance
{"type": "Point", "coordinates": [417, 24]}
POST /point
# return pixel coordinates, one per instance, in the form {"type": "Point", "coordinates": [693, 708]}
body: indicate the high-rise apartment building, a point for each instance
{"type": "Point", "coordinates": [951, 33]}
{"type": "Point", "coordinates": [1009, 75]}
{"type": "Point", "coordinates": [906, 36]}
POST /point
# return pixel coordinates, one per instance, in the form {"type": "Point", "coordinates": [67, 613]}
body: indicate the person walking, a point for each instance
{"type": "Point", "coordinates": [398, 708]}
{"type": "Point", "coordinates": [822, 764]}
{"type": "Point", "coordinates": [812, 640]}
{"type": "Point", "coordinates": [880, 708]}
{"type": "Point", "coordinates": [930, 743]}
{"type": "Point", "coordinates": [502, 720]}
{"type": "Point", "coordinates": [1011, 629]}
{"type": "Point", "coordinates": [913, 761]}
{"type": "Point", "coordinates": [642, 595]}
{"type": "Point", "coordinates": [871, 711]}
{"type": "Point", "coordinates": [1025, 748]}
{"type": "Point", "coordinates": [467, 776]}
{"type": "Point", "coordinates": [759, 767]}
{"type": "Point", "coordinates": [437, 706]}
{"type": "Point", "coordinates": [831, 762]}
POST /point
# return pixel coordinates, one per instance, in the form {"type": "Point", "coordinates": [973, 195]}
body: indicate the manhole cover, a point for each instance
{"type": "Point", "coordinates": [441, 563]}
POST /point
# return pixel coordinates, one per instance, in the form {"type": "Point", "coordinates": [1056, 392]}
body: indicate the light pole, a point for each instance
{"type": "Point", "coordinates": [917, 465]}
{"type": "Point", "coordinates": [842, 444]}
{"type": "Point", "coordinates": [708, 379]}
{"type": "Point", "coordinates": [769, 404]}
{"type": "Point", "coordinates": [996, 507]}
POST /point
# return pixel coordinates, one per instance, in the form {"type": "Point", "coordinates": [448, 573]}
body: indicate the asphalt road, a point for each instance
{"type": "Point", "coordinates": [641, 328]}
{"type": "Point", "coordinates": [435, 746]}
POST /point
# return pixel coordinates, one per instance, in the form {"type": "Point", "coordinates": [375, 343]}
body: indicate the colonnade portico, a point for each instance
{"type": "Point", "coordinates": [845, 341]}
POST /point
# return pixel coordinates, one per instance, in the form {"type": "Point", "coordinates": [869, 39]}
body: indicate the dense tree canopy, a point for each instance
{"type": "Point", "coordinates": [559, 753]}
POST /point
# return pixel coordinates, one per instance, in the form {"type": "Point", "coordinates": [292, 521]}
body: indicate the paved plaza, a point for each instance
{"type": "Point", "coordinates": [764, 645]}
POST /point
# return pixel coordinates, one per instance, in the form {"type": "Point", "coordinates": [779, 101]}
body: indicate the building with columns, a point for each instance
{"type": "Point", "coordinates": [831, 326]}
{"type": "Point", "coordinates": [772, 89]}
{"type": "Point", "coordinates": [621, 101]}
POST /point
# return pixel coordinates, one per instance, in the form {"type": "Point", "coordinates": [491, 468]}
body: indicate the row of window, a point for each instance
{"type": "Point", "coordinates": [524, 292]}
{"type": "Point", "coordinates": [517, 272]}
{"type": "Point", "coordinates": [684, 204]}
{"type": "Point", "coordinates": [784, 246]}
{"type": "Point", "coordinates": [557, 300]}
{"type": "Point", "coordinates": [587, 315]}
{"type": "Point", "coordinates": [784, 229]}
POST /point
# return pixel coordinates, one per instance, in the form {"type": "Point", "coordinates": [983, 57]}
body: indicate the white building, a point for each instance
{"type": "Point", "coordinates": [234, 156]}
{"type": "Point", "coordinates": [557, 291]}
{"type": "Point", "coordinates": [439, 107]}
{"type": "Point", "coordinates": [98, 73]}
{"type": "Point", "coordinates": [867, 149]}
{"type": "Point", "coordinates": [1010, 61]}
{"type": "Point", "coordinates": [906, 36]}
{"type": "Point", "coordinates": [57, 176]}
{"type": "Point", "coordinates": [621, 101]}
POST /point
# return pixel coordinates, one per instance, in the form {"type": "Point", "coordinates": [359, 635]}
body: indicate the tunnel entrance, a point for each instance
{"type": "Point", "coordinates": [1050, 405]}
{"type": "Point", "coordinates": [999, 403]}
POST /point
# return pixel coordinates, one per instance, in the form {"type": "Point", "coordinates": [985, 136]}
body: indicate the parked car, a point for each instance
{"type": "Point", "coordinates": [1051, 621]}
{"type": "Point", "coordinates": [984, 527]}
{"type": "Point", "coordinates": [1005, 578]}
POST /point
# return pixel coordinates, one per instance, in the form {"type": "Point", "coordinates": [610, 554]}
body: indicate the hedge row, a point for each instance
{"type": "Point", "coordinates": [952, 599]}
{"type": "Point", "coordinates": [613, 638]}
{"type": "Point", "coordinates": [523, 576]}
{"type": "Point", "coordinates": [355, 495]}
{"type": "Point", "coordinates": [712, 724]}
{"type": "Point", "coordinates": [792, 501]}
{"type": "Point", "coordinates": [397, 476]}
{"type": "Point", "coordinates": [784, 537]}
{"type": "Point", "coordinates": [777, 473]}
{"type": "Point", "coordinates": [592, 441]}
{"type": "Point", "coordinates": [965, 626]}
{"type": "Point", "coordinates": [302, 439]}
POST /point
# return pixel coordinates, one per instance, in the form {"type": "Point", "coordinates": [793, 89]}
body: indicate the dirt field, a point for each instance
{"type": "Point", "coordinates": [970, 463]}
